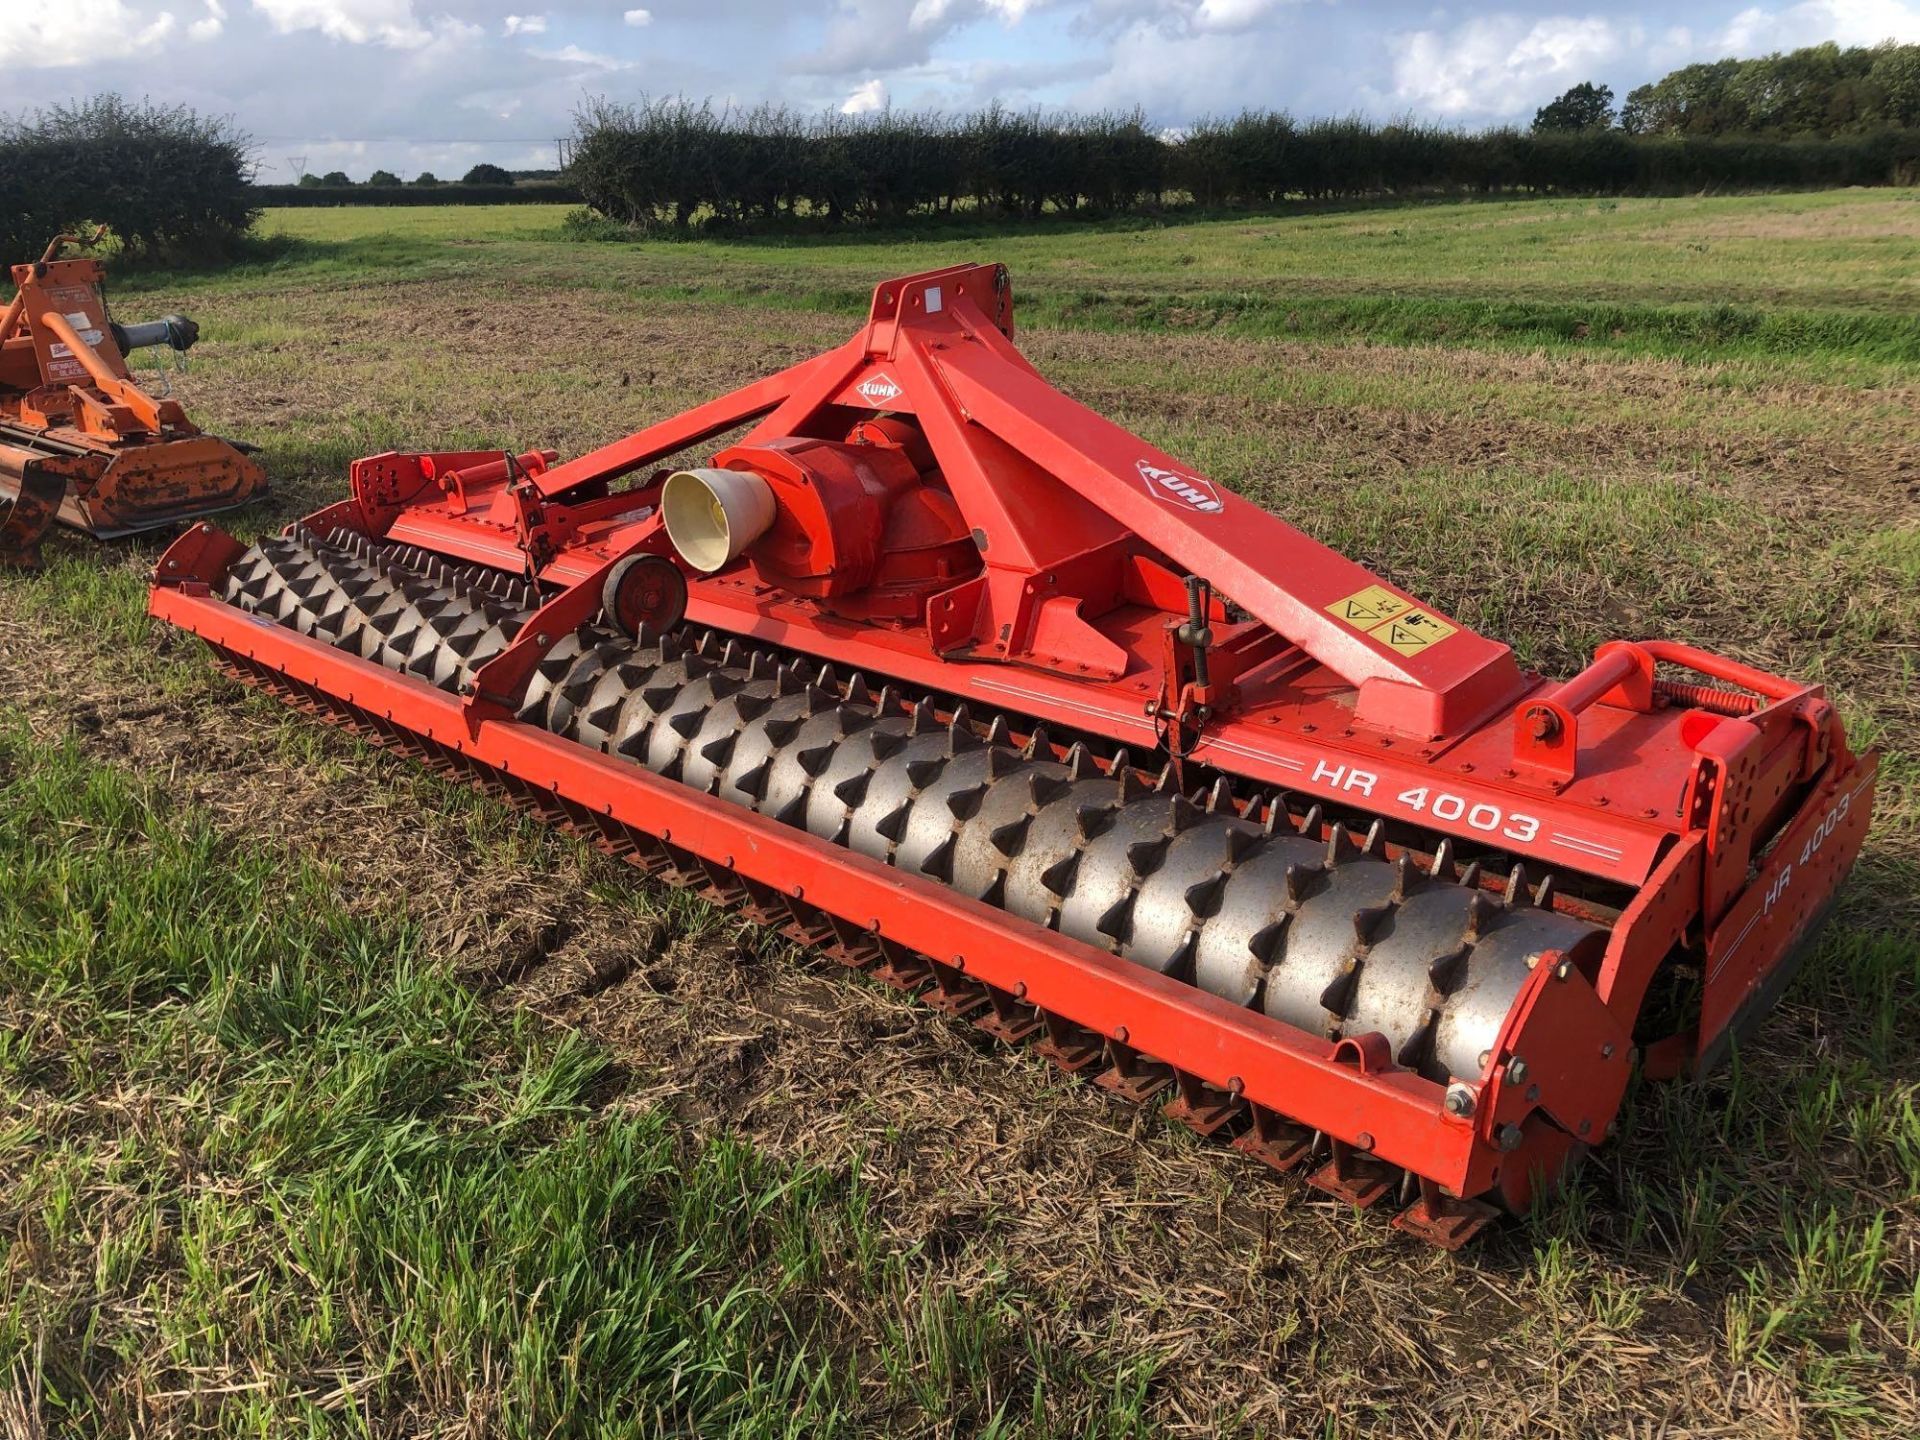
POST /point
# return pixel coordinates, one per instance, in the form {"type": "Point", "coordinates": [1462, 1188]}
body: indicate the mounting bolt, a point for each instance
{"type": "Point", "coordinates": [1460, 1101]}
{"type": "Point", "coordinates": [1363, 1141]}
{"type": "Point", "coordinates": [542, 638]}
{"type": "Point", "coordinates": [1606, 1051]}
{"type": "Point", "coordinates": [1516, 1070]}
{"type": "Point", "coordinates": [1542, 723]}
{"type": "Point", "coordinates": [1563, 971]}
{"type": "Point", "coordinates": [1508, 1137]}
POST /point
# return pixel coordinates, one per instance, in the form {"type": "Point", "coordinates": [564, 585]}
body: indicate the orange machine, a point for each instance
{"type": "Point", "coordinates": [80, 442]}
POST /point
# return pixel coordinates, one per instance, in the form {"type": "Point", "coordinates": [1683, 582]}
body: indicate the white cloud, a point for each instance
{"type": "Point", "coordinates": [1230, 14]}
{"type": "Point", "coordinates": [1503, 64]}
{"type": "Point", "coordinates": [80, 32]}
{"type": "Point", "coordinates": [360, 22]}
{"type": "Point", "coordinates": [865, 99]}
{"type": "Point", "coordinates": [591, 59]}
{"type": "Point", "coordinates": [524, 25]}
{"type": "Point", "coordinates": [1758, 30]}
{"type": "Point", "coordinates": [638, 19]}
{"type": "Point", "coordinates": [209, 26]}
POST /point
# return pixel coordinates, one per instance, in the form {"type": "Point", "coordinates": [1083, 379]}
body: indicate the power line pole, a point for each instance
{"type": "Point", "coordinates": [297, 164]}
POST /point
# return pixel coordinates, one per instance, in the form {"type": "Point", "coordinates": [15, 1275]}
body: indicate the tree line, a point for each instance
{"type": "Point", "coordinates": [664, 165]}
{"type": "Point", "coordinates": [165, 180]}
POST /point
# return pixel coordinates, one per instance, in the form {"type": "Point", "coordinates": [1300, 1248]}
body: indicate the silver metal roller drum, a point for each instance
{"type": "Point", "coordinates": [1323, 937]}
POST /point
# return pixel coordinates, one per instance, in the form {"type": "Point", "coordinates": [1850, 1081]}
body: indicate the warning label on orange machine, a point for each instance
{"type": "Point", "coordinates": [1392, 620]}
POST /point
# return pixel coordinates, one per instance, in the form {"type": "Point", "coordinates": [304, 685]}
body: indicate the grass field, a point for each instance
{"type": "Point", "coordinates": [337, 1102]}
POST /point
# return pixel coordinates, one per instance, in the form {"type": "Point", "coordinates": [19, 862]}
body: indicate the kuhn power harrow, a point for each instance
{"type": "Point", "coordinates": [80, 442]}
{"type": "Point", "coordinates": [945, 674]}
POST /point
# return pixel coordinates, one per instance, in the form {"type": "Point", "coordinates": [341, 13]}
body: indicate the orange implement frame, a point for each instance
{"type": "Point", "coordinates": [80, 442]}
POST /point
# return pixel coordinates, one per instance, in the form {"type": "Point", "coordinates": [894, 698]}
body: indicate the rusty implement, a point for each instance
{"type": "Point", "coordinates": [941, 672]}
{"type": "Point", "coordinates": [80, 442]}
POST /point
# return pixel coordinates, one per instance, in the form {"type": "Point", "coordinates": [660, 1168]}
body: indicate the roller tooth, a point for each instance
{"type": "Point", "coordinates": [996, 891]}
{"type": "Point", "coordinates": [847, 719]}
{"type": "Point", "coordinates": [1118, 919]}
{"type": "Point", "coordinates": [754, 782]}
{"type": "Point", "coordinates": [634, 746]}
{"type": "Point", "coordinates": [1480, 909]}
{"type": "Point", "coordinates": [1312, 821]}
{"type": "Point", "coordinates": [1203, 899]}
{"type": "Point", "coordinates": [1091, 820]}
{"type": "Point", "coordinates": [961, 719]}
{"type": "Point", "coordinates": [893, 827]}
{"type": "Point", "coordinates": [780, 732]}
{"type": "Point", "coordinates": [631, 674]}
{"type": "Point", "coordinates": [1448, 970]}
{"type": "Point", "coordinates": [1366, 922]}
{"type": "Point", "coordinates": [730, 654]}
{"type": "Point", "coordinates": [1543, 896]}
{"type": "Point", "coordinates": [794, 812]}
{"type": "Point", "coordinates": [857, 691]}
{"type": "Point", "coordinates": [672, 647]}
{"type": "Point", "coordinates": [939, 863]}
{"type": "Point", "coordinates": [1405, 875]}
{"type": "Point", "coordinates": [1183, 815]}
{"type": "Point", "coordinates": [788, 680]}
{"type": "Point", "coordinates": [1220, 797]}
{"type": "Point", "coordinates": [1057, 878]}
{"type": "Point", "coordinates": [1011, 838]}
{"type": "Point", "coordinates": [1131, 787]}
{"type": "Point", "coordinates": [752, 707]}
{"type": "Point", "coordinates": [1339, 844]}
{"type": "Point", "coordinates": [708, 645]}
{"type": "Point", "coordinates": [1000, 764]}
{"type": "Point", "coordinates": [1180, 964]}
{"type": "Point", "coordinates": [1045, 789]}
{"type": "Point", "coordinates": [922, 773]}
{"type": "Point", "coordinates": [965, 804]}
{"type": "Point", "coordinates": [816, 760]}
{"type": "Point", "coordinates": [853, 789]}
{"type": "Point", "coordinates": [1419, 1045]}
{"type": "Point", "coordinates": [687, 724]}
{"type": "Point", "coordinates": [1297, 880]}
{"type": "Point", "coordinates": [960, 735]}
{"type": "Point", "coordinates": [923, 719]}
{"type": "Point", "coordinates": [885, 744]}
{"type": "Point", "coordinates": [607, 714]}
{"type": "Point", "coordinates": [1517, 884]}
{"type": "Point", "coordinates": [1164, 781]}
{"type": "Point", "coordinates": [1266, 940]}
{"type": "Point", "coordinates": [697, 664]}
{"type": "Point", "coordinates": [1038, 746]}
{"type": "Point", "coordinates": [826, 679]}
{"type": "Point", "coordinates": [725, 686]}
{"type": "Point", "coordinates": [887, 701]}
{"type": "Point", "coordinates": [1239, 842]}
{"type": "Point", "coordinates": [1144, 856]}
{"type": "Point", "coordinates": [1376, 832]}
{"type": "Point", "coordinates": [1337, 998]}
{"type": "Point", "coordinates": [1442, 867]}
{"type": "Point", "coordinates": [820, 699]}
{"type": "Point", "coordinates": [1080, 763]}
{"type": "Point", "coordinates": [721, 750]}
{"type": "Point", "coordinates": [759, 667]}
{"type": "Point", "coordinates": [1470, 877]}
{"type": "Point", "coordinates": [997, 731]}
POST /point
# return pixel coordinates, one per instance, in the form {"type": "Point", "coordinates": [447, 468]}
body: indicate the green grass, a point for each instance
{"type": "Point", "coordinates": [1793, 280]}
{"type": "Point", "coordinates": [270, 1169]}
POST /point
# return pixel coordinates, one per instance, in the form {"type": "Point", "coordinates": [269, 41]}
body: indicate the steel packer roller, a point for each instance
{"type": "Point", "coordinates": [939, 671]}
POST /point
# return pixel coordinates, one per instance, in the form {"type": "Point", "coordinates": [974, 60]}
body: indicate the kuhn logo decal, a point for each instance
{"type": "Point", "coordinates": [879, 389]}
{"type": "Point", "coordinates": [1192, 491]}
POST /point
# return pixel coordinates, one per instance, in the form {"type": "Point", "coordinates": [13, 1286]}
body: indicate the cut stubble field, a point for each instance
{"type": "Point", "coordinates": [338, 1101]}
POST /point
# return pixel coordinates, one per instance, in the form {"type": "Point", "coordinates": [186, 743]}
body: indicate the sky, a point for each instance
{"type": "Point", "coordinates": [439, 85]}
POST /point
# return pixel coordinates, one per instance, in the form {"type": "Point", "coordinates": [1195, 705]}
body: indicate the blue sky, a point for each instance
{"type": "Point", "coordinates": [440, 84]}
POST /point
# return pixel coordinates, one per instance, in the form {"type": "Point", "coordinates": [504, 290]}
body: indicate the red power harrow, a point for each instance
{"type": "Point", "coordinates": [943, 673]}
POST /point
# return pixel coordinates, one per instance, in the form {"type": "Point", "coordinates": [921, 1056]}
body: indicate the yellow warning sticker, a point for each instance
{"type": "Point", "coordinates": [1366, 608]}
{"type": "Point", "coordinates": [1412, 632]}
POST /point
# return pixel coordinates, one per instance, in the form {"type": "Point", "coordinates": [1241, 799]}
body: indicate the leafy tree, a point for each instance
{"type": "Point", "coordinates": [485, 174]}
{"type": "Point", "coordinates": [383, 177]}
{"type": "Point", "coordinates": [334, 179]}
{"type": "Point", "coordinates": [309, 182]}
{"type": "Point", "coordinates": [1585, 107]}
{"type": "Point", "coordinates": [427, 177]}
